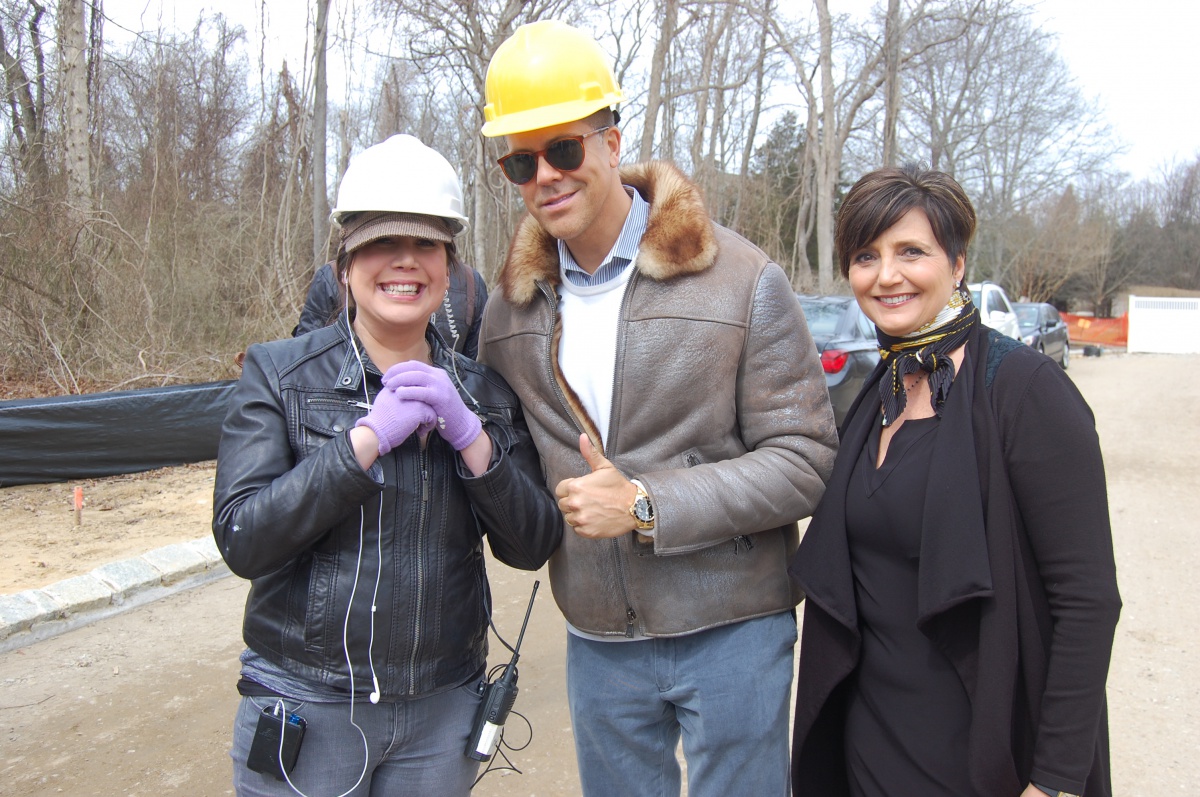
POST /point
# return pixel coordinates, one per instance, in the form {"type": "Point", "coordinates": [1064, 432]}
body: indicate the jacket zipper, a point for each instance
{"type": "Point", "coordinates": [338, 402]}
{"type": "Point", "coordinates": [618, 558]}
{"type": "Point", "coordinates": [420, 562]}
{"type": "Point", "coordinates": [618, 361]}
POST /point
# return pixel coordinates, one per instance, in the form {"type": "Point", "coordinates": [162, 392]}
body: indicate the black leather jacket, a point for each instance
{"type": "Point", "coordinates": [468, 295]}
{"type": "Point", "coordinates": [294, 512]}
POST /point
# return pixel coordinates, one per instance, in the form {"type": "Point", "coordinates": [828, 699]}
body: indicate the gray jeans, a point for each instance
{"type": "Point", "coordinates": [413, 747]}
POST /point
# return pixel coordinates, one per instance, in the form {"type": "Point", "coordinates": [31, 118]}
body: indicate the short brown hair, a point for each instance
{"type": "Point", "coordinates": [880, 198]}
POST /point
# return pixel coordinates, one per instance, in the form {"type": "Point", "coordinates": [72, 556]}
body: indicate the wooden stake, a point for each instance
{"type": "Point", "coordinates": [78, 505]}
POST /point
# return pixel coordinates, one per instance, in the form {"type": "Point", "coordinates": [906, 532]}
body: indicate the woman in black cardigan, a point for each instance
{"type": "Point", "coordinates": [961, 589]}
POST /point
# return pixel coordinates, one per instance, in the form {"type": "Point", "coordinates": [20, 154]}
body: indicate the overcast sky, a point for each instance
{"type": "Point", "coordinates": [1138, 58]}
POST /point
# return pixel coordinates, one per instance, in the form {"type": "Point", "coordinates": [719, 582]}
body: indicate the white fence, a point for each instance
{"type": "Point", "coordinates": [1164, 325]}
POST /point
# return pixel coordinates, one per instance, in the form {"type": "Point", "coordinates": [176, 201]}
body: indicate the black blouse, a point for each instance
{"type": "Point", "coordinates": [907, 711]}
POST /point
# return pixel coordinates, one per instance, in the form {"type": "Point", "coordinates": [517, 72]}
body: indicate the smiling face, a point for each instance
{"type": "Point", "coordinates": [397, 283]}
{"type": "Point", "coordinates": [903, 278]}
{"type": "Point", "coordinates": [586, 207]}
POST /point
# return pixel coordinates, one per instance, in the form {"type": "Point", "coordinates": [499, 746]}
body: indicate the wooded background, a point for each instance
{"type": "Point", "coordinates": [164, 195]}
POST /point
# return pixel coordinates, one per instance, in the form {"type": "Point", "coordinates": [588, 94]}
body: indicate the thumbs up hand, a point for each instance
{"type": "Point", "coordinates": [597, 505]}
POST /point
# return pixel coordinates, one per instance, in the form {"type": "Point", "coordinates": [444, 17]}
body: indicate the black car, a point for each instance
{"type": "Point", "coordinates": [846, 341]}
{"type": "Point", "coordinates": [1043, 329]}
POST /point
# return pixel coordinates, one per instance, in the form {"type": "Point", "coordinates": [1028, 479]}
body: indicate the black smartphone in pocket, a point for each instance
{"type": "Point", "coordinates": [265, 752]}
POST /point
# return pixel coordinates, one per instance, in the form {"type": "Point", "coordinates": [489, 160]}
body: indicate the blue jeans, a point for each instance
{"type": "Point", "coordinates": [414, 747]}
{"type": "Point", "coordinates": [727, 689]}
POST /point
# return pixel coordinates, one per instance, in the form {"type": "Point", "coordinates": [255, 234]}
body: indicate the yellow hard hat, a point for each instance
{"type": "Point", "coordinates": [547, 73]}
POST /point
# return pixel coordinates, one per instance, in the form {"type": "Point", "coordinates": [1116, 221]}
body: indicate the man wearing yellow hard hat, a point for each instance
{"type": "Point", "coordinates": [674, 394]}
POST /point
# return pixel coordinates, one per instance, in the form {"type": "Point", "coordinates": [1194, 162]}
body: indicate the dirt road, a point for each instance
{"type": "Point", "coordinates": [141, 704]}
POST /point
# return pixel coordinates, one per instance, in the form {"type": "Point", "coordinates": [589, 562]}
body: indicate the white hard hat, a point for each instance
{"type": "Point", "coordinates": [401, 175]}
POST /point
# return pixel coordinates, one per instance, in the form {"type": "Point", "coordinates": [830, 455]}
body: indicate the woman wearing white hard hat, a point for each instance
{"type": "Point", "coordinates": [377, 179]}
{"type": "Point", "coordinates": [359, 469]}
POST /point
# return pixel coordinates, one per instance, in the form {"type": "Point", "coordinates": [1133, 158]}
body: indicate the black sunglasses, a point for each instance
{"type": "Point", "coordinates": [565, 155]}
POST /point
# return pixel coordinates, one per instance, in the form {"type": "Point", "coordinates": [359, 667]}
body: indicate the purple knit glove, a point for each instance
{"type": "Point", "coordinates": [432, 386]}
{"type": "Point", "coordinates": [393, 419]}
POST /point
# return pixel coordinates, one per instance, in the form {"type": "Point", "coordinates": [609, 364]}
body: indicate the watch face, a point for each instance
{"type": "Point", "coordinates": [641, 509]}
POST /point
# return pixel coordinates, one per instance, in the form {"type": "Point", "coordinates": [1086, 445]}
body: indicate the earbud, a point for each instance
{"type": "Point", "coordinates": [375, 695]}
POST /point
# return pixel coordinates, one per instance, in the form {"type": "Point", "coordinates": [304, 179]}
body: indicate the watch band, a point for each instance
{"type": "Point", "coordinates": [642, 509]}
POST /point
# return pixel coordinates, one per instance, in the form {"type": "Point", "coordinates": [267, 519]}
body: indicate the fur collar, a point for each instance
{"type": "Point", "coordinates": [679, 236]}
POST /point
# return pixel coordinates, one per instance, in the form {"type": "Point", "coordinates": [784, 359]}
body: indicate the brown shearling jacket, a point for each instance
{"type": "Point", "coordinates": [719, 407]}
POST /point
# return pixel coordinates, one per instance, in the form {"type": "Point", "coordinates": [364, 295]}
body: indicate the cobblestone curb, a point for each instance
{"type": "Point", "coordinates": [37, 614]}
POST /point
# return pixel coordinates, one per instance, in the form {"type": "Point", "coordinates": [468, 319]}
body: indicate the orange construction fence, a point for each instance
{"type": "Point", "coordinates": [1103, 331]}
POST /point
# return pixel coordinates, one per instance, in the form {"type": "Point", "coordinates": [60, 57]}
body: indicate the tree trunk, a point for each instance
{"type": "Point", "coordinates": [27, 119]}
{"type": "Point", "coordinates": [73, 43]}
{"type": "Point", "coordinates": [760, 73]}
{"type": "Point", "coordinates": [891, 43]}
{"type": "Point", "coordinates": [658, 67]}
{"type": "Point", "coordinates": [828, 153]}
{"type": "Point", "coordinates": [320, 190]}
{"type": "Point", "coordinates": [479, 234]}
{"type": "Point", "coordinates": [804, 191]}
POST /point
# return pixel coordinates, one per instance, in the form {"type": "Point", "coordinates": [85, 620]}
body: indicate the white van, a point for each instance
{"type": "Point", "coordinates": [995, 310]}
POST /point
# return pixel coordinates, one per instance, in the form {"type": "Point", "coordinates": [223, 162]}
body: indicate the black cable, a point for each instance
{"type": "Point", "coordinates": [528, 741]}
{"type": "Point", "coordinates": [510, 766]}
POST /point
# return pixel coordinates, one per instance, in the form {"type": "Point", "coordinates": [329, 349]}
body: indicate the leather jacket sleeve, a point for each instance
{"type": "Point", "coordinates": [320, 303]}
{"type": "Point", "coordinates": [514, 507]}
{"type": "Point", "coordinates": [268, 508]}
{"type": "Point", "coordinates": [786, 425]}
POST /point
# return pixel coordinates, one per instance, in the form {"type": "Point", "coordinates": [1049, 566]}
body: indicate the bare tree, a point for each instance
{"type": "Point", "coordinates": [21, 39]}
{"type": "Point", "coordinates": [208, 202]}
{"type": "Point", "coordinates": [891, 114]}
{"type": "Point", "coordinates": [658, 67]}
{"type": "Point", "coordinates": [1061, 238]}
{"type": "Point", "coordinates": [73, 45]}
{"type": "Point", "coordinates": [836, 100]}
{"type": "Point", "coordinates": [760, 80]}
{"type": "Point", "coordinates": [998, 108]}
{"type": "Point", "coordinates": [1180, 210]}
{"type": "Point", "coordinates": [1125, 235]}
{"type": "Point", "coordinates": [320, 132]}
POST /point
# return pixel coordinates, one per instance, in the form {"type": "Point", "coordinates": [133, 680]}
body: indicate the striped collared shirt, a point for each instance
{"type": "Point", "coordinates": [622, 253]}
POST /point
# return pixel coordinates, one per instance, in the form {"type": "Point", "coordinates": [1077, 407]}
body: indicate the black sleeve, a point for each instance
{"type": "Point", "coordinates": [267, 507]}
{"type": "Point", "coordinates": [1057, 474]}
{"type": "Point", "coordinates": [321, 303]}
{"type": "Point", "coordinates": [514, 506]}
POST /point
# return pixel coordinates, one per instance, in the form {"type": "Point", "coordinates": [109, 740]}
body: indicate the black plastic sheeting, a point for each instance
{"type": "Point", "coordinates": [105, 434]}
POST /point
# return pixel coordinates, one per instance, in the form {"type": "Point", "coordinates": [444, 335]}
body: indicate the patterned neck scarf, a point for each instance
{"type": "Point", "coordinates": [928, 349]}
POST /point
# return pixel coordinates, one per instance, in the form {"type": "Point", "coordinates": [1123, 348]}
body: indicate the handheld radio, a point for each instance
{"type": "Point", "coordinates": [498, 699]}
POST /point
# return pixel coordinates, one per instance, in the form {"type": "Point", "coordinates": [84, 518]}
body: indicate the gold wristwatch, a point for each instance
{"type": "Point", "coordinates": [642, 510]}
